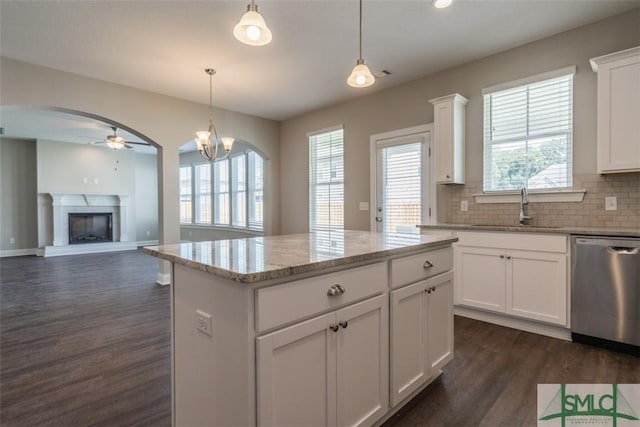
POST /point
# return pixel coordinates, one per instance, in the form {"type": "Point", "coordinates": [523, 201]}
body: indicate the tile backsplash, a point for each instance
{"type": "Point", "coordinates": [588, 213]}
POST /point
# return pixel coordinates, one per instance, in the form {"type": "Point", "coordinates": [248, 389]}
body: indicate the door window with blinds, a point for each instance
{"type": "Point", "coordinates": [326, 180]}
{"type": "Point", "coordinates": [401, 171]}
{"type": "Point", "coordinates": [528, 130]}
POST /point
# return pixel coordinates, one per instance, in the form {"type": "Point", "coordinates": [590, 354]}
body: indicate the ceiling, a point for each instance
{"type": "Point", "coordinates": [164, 46]}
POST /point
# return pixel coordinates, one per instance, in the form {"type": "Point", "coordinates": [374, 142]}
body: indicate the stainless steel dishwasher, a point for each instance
{"type": "Point", "coordinates": [605, 292]}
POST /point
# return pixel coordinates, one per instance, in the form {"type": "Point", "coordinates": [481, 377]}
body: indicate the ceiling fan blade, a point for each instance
{"type": "Point", "coordinates": [127, 146]}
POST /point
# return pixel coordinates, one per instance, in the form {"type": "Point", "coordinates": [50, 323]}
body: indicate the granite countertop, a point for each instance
{"type": "Point", "coordinates": [258, 259]}
{"type": "Point", "coordinates": [585, 231]}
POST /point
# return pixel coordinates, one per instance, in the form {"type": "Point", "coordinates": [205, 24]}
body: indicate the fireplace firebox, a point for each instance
{"type": "Point", "coordinates": [90, 228]}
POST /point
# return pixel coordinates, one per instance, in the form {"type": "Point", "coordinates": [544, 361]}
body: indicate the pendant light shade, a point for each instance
{"type": "Point", "coordinates": [252, 29]}
{"type": "Point", "coordinates": [207, 141]}
{"type": "Point", "coordinates": [361, 75]}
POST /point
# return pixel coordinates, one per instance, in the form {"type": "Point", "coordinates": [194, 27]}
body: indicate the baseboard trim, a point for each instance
{"type": "Point", "coordinates": [18, 252]}
{"type": "Point", "coordinates": [515, 323]}
{"type": "Point", "coordinates": [163, 279]}
{"type": "Point", "coordinates": [89, 248]}
{"type": "Point", "coordinates": [142, 243]}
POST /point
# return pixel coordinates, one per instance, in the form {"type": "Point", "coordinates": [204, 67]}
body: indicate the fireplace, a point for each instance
{"type": "Point", "coordinates": [90, 228]}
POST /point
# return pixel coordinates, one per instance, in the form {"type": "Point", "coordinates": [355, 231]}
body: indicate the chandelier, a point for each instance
{"type": "Point", "coordinates": [205, 140]}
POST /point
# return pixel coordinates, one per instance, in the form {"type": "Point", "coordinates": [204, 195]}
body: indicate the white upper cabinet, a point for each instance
{"type": "Point", "coordinates": [618, 111]}
{"type": "Point", "coordinates": [448, 119]}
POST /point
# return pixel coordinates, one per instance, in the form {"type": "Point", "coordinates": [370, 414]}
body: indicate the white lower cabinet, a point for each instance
{"type": "Point", "coordinates": [531, 284]}
{"type": "Point", "coordinates": [421, 333]}
{"type": "Point", "coordinates": [330, 370]}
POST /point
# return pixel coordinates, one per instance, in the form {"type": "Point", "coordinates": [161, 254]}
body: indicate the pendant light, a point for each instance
{"type": "Point", "coordinates": [252, 29]}
{"type": "Point", "coordinates": [204, 139]}
{"type": "Point", "coordinates": [361, 75]}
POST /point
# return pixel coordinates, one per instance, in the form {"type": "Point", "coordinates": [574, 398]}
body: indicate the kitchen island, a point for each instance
{"type": "Point", "coordinates": [328, 328]}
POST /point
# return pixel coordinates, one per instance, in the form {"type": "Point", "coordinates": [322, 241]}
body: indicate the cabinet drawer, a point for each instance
{"type": "Point", "coordinates": [282, 304]}
{"type": "Point", "coordinates": [412, 268]}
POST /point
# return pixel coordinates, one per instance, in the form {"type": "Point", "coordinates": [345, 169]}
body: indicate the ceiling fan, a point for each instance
{"type": "Point", "coordinates": [117, 142]}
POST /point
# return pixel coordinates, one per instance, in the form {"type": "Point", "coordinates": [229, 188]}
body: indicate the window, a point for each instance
{"type": "Point", "coordinates": [528, 133]}
{"type": "Point", "coordinates": [237, 197]}
{"type": "Point", "coordinates": [222, 197]}
{"type": "Point", "coordinates": [256, 190]}
{"type": "Point", "coordinates": [326, 180]}
{"type": "Point", "coordinates": [400, 187]}
{"type": "Point", "coordinates": [239, 194]}
{"type": "Point", "coordinates": [203, 194]}
{"type": "Point", "coordinates": [185, 195]}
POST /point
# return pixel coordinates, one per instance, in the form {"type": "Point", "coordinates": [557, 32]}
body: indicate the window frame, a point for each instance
{"type": "Point", "coordinates": [529, 136]}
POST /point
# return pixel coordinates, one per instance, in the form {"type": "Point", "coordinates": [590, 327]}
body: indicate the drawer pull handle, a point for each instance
{"type": "Point", "coordinates": [343, 324]}
{"type": "Point", "coordinates": [336, 290]}
{"type": "Point", "coordinates": [427, 264]}
{"type": "Point", "coordinates": [334, 328]}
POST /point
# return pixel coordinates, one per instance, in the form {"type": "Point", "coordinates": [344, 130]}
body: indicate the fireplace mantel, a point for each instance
{"type": "Point", "coordinates": [65, 203]}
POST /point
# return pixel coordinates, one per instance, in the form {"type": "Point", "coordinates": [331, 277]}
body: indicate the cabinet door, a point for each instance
{"type": "Point", "coordinates": [296, 375]}
{"type": "Point", "coordinates": [537, 286]}
{"type": "Point", "coordinates": [362, 362]}
{"type": "Point", "coordinates": [618, 116]}
{"type": "Point", "coordinates": [439, 321]}
{"type": "Point", "coordinates": [409, 368]}
{"type": "Point", "coordinates": [480, 278]}
{"type": "Point", "coordinates": [443, 132]}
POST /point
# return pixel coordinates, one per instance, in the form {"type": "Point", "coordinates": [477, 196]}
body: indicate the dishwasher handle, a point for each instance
{"type": "Point", "coordinates": [621, 250]}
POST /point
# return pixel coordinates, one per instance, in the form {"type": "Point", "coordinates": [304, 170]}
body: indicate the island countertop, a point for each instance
{"type": "Point", "coordinates": [258, 259]}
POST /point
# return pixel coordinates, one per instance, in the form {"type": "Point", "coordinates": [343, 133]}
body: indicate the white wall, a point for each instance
{"type": "Point", "coordinates": [408, 105]}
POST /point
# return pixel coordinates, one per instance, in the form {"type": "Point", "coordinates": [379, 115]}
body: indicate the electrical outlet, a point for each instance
{"type": "Point", "coordinates": [148, 233]}
{"type": "Point", "coordinates": [610, 203]}
{"type": "Point", "coordinates": [85, 180]}
{"type": "Point", "coordinates": [464, 205]}
{"type": "Point", "coordinates": [12, 240]}
{"type": "Point", "coordinates": [95, 180]}
{"type": "Point", "coordinates": [364, 206]}
{"type": "Point", "coordinates": [204, 322]}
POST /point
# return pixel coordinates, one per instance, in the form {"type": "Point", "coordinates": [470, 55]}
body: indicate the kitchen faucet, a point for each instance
{"type": "Point", "coordinates": [524, 201]}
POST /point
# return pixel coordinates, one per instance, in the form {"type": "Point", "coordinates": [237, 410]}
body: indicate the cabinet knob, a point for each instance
{"type": "Point", "coordinates": [508, 256]}
{"type": "Point", "coordinates": [336, 290]}
{"type": "Point", "coordinates": [334, 328]}
{"type": "Point", "coordinates": [427, 264]}
{"type": "Point", "coordinates": [448, 176]}
{"type": "Point", "coordinates": [343, 324]}
{"type": "Point", "coordinates": [501, 256]}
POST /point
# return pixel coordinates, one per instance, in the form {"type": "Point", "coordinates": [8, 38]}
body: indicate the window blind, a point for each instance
{"type": "Point", "coordinates": [203, 193]}
{"type": "Point", "coordinates": [221, 209]}
{"type": "Point", "coordinates": [326, 180]}
{"type": "Point", "coordinates": [401, 187]}
{"type": "Point", "coordinates": [185, 195]}
{"type": "Point", "coordinates": [528, 135]}
{"type": "Point", "coordinates": [256, 190]}
{"type": "Point", "coordinates": [239, 190]}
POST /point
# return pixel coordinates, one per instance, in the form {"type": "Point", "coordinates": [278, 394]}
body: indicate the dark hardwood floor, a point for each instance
{"type": "Point", "coordinates": [84, 340]}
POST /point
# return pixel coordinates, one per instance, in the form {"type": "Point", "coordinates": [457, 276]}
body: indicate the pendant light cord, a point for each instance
{"type": "Point", "coordinates": [360, 29]}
